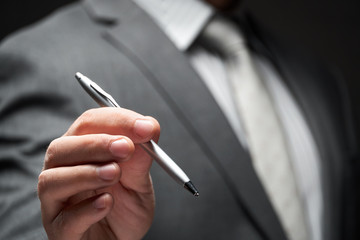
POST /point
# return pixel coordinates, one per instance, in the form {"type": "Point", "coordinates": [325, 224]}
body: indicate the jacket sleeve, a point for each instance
{"type": "Point", "coordinates": [34, 110]}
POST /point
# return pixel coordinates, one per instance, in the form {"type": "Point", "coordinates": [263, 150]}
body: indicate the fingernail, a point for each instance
{"type": "Point", "coordinates": [99, 203]}
{"type": "Point", "coordinates": [107, 172]}
{"type": "Point", "coordinates": [143, 128]}
{"type": "Point", "coordinates": [120, 148]}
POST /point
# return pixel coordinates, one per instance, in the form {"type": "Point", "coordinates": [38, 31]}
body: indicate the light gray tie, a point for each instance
{"type": "Point", "coordinates": [266, 140]}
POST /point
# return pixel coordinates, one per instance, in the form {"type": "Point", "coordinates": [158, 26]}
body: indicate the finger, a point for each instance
{"type": "Point", "coordinates": [95, 148]}
{"type": "Point", "coordinates": [116, 121]}
{"type": "Point", "coordinates": [57, 185]}
{"type": "Point", "coordinates": [73, 222]}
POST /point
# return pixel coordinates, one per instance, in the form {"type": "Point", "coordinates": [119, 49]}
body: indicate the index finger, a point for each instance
{"type": "Point", "coordinates": [116, 121]}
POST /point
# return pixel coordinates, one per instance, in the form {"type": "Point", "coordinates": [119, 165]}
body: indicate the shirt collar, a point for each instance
{"type": "Point", "coordinates": [181, 20]}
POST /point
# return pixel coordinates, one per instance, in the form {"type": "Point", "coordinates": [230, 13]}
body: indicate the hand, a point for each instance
{"type": "Point", "coordinates": [95, 183]}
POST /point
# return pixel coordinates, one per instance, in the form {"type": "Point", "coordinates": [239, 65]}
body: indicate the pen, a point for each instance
{"type": "Point", "coordinates": [106, 100]}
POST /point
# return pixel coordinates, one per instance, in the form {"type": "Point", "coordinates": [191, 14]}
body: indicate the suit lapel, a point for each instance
{"type": "Point", "coordinates": [169, 71]}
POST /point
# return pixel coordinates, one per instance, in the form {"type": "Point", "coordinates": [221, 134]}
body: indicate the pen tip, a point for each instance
{"type": "Point", "coordinates": [190, 186]}
{"type": "Point", "coordinates": [78, 76]}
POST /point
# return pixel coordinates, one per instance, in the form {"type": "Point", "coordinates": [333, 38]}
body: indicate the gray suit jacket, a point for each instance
{"type": "Point", "coordinates": [115, 43]}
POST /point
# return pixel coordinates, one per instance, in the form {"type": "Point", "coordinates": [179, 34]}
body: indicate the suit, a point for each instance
{"type": "Point", "coordinates": [119, 46]}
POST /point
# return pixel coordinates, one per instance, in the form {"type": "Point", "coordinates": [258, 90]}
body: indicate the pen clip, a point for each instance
{"type": "Point", "coordinates": [104, 94]}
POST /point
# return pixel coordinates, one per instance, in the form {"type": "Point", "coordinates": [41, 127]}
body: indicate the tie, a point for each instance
{"type": "Point", "coordinates": [264, 133]}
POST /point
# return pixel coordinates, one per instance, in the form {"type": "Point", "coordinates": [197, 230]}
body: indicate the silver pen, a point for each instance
{"type": "Point", "coordinates": [106, 100]}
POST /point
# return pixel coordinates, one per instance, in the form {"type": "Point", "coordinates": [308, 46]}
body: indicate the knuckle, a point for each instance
{"type": "Point", "coordinates": [88, 114]}
{"type": "Point", "coordinates": [43, 182]}
{"type": "Point", "coordinates": [83, 122]}
{"type": "Point", "coordinates": [51, 154]}
{"type": "Point", "coordinates": [102, 140]}
{"type": "Point", "coordinates": [97, 145]}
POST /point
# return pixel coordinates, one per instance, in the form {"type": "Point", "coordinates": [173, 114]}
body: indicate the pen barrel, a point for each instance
{"type": "Point", "coordinates": [165, 162]}
{"type": "Point", "coordinates": [106, 100]}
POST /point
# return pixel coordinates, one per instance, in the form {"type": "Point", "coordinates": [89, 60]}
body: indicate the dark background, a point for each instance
{"type": "Point", "coordinates": [329, 29]}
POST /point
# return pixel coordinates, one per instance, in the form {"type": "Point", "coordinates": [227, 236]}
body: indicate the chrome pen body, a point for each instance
{"type": "Point", "coordinates": [106, 100]}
